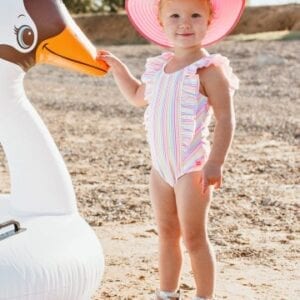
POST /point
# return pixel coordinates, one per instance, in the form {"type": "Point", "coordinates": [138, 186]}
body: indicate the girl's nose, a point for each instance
{"type": "Point", "coordinates": [185, 24]}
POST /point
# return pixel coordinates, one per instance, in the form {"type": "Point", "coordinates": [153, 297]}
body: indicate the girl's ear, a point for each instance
{"type": "Point", "coordinates": [159, 20]}
{"type": "Point", "coordinates": [210, 18]}
{"type": "Point", "coordinates": [211, 14]}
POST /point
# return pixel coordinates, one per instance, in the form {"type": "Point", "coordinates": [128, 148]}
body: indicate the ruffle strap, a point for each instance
{"type": "Point", "coordinates": [195, 110]}
{"type": "Point", "coordinates": [189, 104]}
{"type": "Point", "coordinates": [217, 60]}
{"type": "Point", "coordinates": [153, 65]}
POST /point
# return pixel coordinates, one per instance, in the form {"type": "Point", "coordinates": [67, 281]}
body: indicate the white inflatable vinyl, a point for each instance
{"type": "Point", "coordinates": [58, 256]}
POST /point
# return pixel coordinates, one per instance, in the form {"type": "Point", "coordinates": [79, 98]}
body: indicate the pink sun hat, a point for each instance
{"type": "Point", "coordinates": [143, 14]}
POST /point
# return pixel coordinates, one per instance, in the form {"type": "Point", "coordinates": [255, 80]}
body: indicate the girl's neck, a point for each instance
{"type": "Point", "coordinates": [181, 58]}
{"type": "Point", "coordinates": [189, 54]}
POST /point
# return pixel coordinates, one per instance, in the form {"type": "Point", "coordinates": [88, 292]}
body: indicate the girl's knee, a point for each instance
{"type": "Point", "coordinates": [169, 232]}
{"type": "Point", "coordinates": [195, 242]}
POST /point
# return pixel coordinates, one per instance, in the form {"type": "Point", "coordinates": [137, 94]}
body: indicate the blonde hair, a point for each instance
{"type": "Point", "coordinates": [208, 2]}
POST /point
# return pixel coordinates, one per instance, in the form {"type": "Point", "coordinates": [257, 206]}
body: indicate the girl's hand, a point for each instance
{"type": "Point", "coordinates": [211, 174]}
{"type": "Point", "coordinates": [131, 88]}
{"type": "Point", "coordinates": [109, 58]}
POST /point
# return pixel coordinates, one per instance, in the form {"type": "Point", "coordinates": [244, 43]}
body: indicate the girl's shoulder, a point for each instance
{"type": "Point", "coordinates": [154, 65]}
{"type": "Point", "coordinates": [209, 60]}
{"type": "Point", "coordinates": [216, 65]}
{"type": "Point", "coordinates": [156, 62]}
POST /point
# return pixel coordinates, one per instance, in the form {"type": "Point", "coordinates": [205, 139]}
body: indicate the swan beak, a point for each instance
{"type": "Point", "coordinates": [71, 49]}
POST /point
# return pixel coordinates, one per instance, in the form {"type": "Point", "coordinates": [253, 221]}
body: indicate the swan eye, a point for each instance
{"type": "Point", "coordinates": [25, 36]}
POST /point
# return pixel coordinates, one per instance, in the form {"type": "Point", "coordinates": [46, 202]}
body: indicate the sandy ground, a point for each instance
{"type": "Point", "coordinates": [253, 220]}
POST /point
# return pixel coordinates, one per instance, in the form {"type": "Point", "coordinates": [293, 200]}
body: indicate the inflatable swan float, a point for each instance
{"type": "Point", "coordinates": [55, 254]}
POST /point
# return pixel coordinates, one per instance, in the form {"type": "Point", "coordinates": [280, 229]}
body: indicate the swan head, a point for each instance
{"type": "Point", "coordinates": [42, 31]}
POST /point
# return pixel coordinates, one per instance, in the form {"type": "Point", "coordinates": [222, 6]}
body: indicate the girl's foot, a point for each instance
{"type": "Point", "coordinates": [162, 295]}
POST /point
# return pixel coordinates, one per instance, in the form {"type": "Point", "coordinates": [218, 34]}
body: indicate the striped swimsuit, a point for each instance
{"type": "Point", "coordinates": [178, 115]}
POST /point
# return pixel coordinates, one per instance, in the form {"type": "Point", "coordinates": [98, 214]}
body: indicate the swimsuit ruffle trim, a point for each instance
{"type": "Point", "coordinates": [153, 65]}
{"type": "Point", "coordinates": [195, 109]}
{"type": "Point", "coordinates": [219, 61]}
{"type": "Point", "coordinates": [194, 106]}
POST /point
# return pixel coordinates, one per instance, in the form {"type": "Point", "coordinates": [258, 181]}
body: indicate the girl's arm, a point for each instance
{"type": "Point", "coordinates": [217, 88]}
{"type": "Point", "coordinates": [131, 88]}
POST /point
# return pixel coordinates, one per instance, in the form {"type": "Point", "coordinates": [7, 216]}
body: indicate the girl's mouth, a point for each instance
{"type": "Point", "coordinates": [185, 34]}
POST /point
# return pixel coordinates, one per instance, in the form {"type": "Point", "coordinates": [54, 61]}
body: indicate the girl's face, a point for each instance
{"type": "Point", "coordinates": [185, 22]}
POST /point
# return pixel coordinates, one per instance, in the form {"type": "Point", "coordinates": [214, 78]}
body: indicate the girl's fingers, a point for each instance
{"type": "Point", "coordinates": [217, 185]}
{"type": "Point", "coordinates": [205, 184]}
{"type": "Point", "coordinates": [220, 182]}
{"type": "Point", "coordinates": [103, 52]}
{"type": "Point", "coordinates": [207, 181]}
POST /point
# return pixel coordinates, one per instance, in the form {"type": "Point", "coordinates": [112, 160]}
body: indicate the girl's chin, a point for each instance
{"type": "Point", "coordinates": [185, 41]}
{"type": "Point", "coordinates": [187, 45]}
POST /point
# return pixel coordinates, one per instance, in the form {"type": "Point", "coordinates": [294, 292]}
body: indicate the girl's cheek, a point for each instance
{"type": "Point", "coordinates": [170, 22]}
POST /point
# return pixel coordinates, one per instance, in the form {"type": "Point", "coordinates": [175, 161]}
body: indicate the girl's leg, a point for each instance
{"type": "Point", "coordinates": [165, 212]}
{"type": "Point", "coordinates": [193, 208]}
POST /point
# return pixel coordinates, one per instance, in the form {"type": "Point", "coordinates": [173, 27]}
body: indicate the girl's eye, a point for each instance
{"type": "Point", "coordinates": [175, 16]}
{"type": "Point", "coordinates": [196, 15]}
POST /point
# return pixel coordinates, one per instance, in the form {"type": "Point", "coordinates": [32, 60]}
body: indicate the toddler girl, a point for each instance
{"type": "Point", "coordinates": [182, 89]}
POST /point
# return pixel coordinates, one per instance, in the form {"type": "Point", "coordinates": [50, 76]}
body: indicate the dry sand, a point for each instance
{"type": "Point", "coordinates": [253, 221]}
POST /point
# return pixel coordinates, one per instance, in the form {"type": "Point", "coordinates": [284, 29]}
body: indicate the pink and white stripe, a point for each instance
{"type": "Point", "coordinates": [178, 116]}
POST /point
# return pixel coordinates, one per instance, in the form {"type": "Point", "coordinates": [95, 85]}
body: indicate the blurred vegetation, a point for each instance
{"type": "Point", "coordinates": [88, 6]}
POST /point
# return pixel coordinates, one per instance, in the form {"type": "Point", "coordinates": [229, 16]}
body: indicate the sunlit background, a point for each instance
{"type": "Point", "coordinates": [271, 2]}
{"type": "Point", "coordinates": [114, 6]}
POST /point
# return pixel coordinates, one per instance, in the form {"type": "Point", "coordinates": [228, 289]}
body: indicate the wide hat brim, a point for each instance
{"type": "Point", "coordinates": [143, 15]}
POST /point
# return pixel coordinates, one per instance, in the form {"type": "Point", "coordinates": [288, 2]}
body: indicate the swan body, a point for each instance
{"type": "Point", "coordinates": [58, 256]}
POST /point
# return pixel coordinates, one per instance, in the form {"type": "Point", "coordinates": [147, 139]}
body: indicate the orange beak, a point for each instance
{"type": "Point", "coordinates": [71, 49]}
